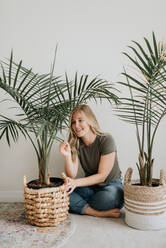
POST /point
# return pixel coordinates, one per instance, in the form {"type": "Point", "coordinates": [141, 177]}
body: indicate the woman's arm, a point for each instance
{"type": "Point", "coordinates": [105, 166]}
{"type": "Point", "coordinates": [71, 168]}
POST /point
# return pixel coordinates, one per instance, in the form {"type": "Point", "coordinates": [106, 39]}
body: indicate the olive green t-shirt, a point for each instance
{"type": "Point", "coordinates": [89, 157]}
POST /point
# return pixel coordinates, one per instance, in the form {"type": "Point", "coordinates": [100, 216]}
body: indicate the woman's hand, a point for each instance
{"type": "Point", "coordinates": [70, 185]}
{"type": "Point", "coordinates": [65, 149]}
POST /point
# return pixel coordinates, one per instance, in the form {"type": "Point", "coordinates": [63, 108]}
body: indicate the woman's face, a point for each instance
{"type": "Point", "coordinates": [80, 125]}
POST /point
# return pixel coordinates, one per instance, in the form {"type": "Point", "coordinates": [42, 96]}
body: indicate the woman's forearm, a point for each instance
{"type": "Point", "coordinates": [71, 183]}
{"type": "Point", "coordinates": [70, 167]}
{"type": "Point", "coordinates": [90, 180]}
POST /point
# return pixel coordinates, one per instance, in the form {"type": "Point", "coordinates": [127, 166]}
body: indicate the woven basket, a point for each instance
{"type": "Point", "coordinates": [145, 207]}
{"type": "Point", "coordinates": [47, 206]}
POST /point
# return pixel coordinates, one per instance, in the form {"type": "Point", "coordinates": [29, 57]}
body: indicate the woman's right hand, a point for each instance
{"type": "Point", "coordinates": [65, 149]}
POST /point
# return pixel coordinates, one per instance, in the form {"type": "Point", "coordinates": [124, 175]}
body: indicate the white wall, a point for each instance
{"type": "Point", "coordinates": [91, 36]}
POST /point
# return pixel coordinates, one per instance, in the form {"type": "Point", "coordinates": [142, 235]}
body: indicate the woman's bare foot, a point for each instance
{"type": "Point", "coordinates": [115, 213]}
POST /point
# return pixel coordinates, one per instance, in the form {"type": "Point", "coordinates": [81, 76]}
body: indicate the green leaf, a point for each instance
{"type": "Point", "coordinates": [146, 66]}
{"type": "Point", "coordinates": [155, 45]}
{"type": "Point", "coordinates": [150, 50]}
{"type": "Point", "coordinates": [137, 64]}
{"type": "Point", "coordinates": [17, 73]}
{"type": "Point", "coordinates": [10, 67]}
{"type": "Point", "coordinates": [144, 54]}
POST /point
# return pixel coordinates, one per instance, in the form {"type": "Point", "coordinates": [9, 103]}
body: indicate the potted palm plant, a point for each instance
{"type": "Point", "coordinates": [145, 107]}
{"type": "Point", "coordinates": [45, 102]}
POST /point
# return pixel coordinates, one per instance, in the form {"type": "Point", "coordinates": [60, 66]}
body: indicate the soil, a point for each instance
{"type": "Point", "coordinates": [153, 184]}
{"type": "Point", "coordinates": [54, 182]}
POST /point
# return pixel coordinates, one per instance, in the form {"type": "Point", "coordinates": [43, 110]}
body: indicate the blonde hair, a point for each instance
{"type": "Point", "coordinates": [91, 120]}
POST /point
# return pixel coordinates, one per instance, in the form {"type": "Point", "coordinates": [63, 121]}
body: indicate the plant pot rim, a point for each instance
{"type": "Point", "coordinates": [136, 182]}
{"type": "Point", "coordinates": [55, 182]}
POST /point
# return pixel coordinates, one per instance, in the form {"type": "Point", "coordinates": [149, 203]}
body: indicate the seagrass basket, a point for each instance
{"type": "Point", "coordinates": [145, 207]}
{"type": "Point", "coordinates": [45, 206]}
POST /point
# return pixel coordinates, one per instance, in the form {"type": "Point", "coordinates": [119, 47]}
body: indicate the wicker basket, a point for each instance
{"type": "Point", "coordinates": [47, 206]}
{"type": "Point", "coordinates": [145, 207]}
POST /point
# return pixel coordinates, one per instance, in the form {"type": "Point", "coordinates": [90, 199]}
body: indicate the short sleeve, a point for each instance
{"type": "Point", "coordinates": [107, 145]}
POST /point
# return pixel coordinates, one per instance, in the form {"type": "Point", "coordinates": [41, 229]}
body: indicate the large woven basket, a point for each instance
{"type": "Point", "coordinates": [47, 206]}
{"type": "Point", "coordinates": [145, 207]}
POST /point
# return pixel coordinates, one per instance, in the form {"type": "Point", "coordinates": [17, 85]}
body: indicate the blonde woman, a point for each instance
{"type": "Point", "coordinates": [100, 192]}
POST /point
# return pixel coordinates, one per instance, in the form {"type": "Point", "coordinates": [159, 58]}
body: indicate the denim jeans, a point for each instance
{"type": "Point", "coordinates": [97, 197]}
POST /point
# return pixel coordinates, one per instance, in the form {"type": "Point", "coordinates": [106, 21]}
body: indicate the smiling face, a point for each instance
{"type": "Point", "coordinates": [80, 125]}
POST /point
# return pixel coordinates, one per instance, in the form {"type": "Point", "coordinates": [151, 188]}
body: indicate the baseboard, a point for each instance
{"type": "Point", "coordinates": [11, 196]}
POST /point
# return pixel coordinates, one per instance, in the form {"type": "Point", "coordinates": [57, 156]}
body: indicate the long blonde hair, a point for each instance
{"type": "Point", "coordinates": [91, 120]}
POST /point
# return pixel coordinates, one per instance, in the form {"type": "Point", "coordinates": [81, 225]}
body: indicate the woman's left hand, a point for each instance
{"type": "Point", "coordinates": [70, 185]}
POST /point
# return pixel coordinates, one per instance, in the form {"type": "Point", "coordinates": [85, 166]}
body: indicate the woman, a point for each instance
{"type": "Point", "coordinates": [100, 192]}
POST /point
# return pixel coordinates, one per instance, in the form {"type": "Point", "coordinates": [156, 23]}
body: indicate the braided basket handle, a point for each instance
{"type": "Point", "coordinates": [162, 177]}
{"type": "Point", "coordinates": [64, 177]}
{"type": "Point", "coordinates": [25, 181]}
{"type": "Point", "coordinates": [128, 175]}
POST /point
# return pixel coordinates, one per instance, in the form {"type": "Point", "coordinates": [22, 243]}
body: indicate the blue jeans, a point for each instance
{"type": "Point", "coordinates": [97, 197]}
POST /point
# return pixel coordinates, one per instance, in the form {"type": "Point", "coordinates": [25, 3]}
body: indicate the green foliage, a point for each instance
{"type": "Point", "coordinates": [146, 105]}
{"type": "Point", "coordinates": [46, 102]}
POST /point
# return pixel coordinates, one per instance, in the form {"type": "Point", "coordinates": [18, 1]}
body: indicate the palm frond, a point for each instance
{"type": "Point", "coordinates": [11, 128]}
{"type": "Point", "coordinates": [145, 106]}
{"type": "Point", "coordinates": [46, 102]}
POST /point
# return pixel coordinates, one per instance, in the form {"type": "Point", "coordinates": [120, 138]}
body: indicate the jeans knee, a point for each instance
{"type": "Point", "coordinates": [119, 201]}
{"type": "Point", "coordinates": [76, 203]}
{"type": "Point", "coordinates": [108, 199]}
{"type": "Point", "coordinates": [117, 196]}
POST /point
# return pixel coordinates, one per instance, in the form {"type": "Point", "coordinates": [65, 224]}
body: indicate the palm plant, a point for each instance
{"type": "Point", "coordinates": [145, 106]}
{"type": "Point", "coordinates": [46, 102]}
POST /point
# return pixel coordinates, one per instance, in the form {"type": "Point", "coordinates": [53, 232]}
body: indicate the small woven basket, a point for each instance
{"type": "Point", "coordinates": [47, 206]}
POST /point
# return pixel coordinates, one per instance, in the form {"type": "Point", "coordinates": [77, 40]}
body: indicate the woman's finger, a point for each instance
{"type": "Point", "coordinates": [70, 190]}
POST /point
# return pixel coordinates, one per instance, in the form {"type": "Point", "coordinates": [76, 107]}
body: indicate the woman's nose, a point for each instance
{"type": "Point", "coordinates": [76, 124]}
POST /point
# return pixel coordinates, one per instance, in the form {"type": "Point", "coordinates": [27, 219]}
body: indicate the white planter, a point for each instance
{"type": "Point", "coordinates": [145, 207]}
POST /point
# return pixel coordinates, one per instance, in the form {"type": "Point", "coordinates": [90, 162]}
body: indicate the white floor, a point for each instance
{"type": "Point", "coordinates": [112, 233]}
